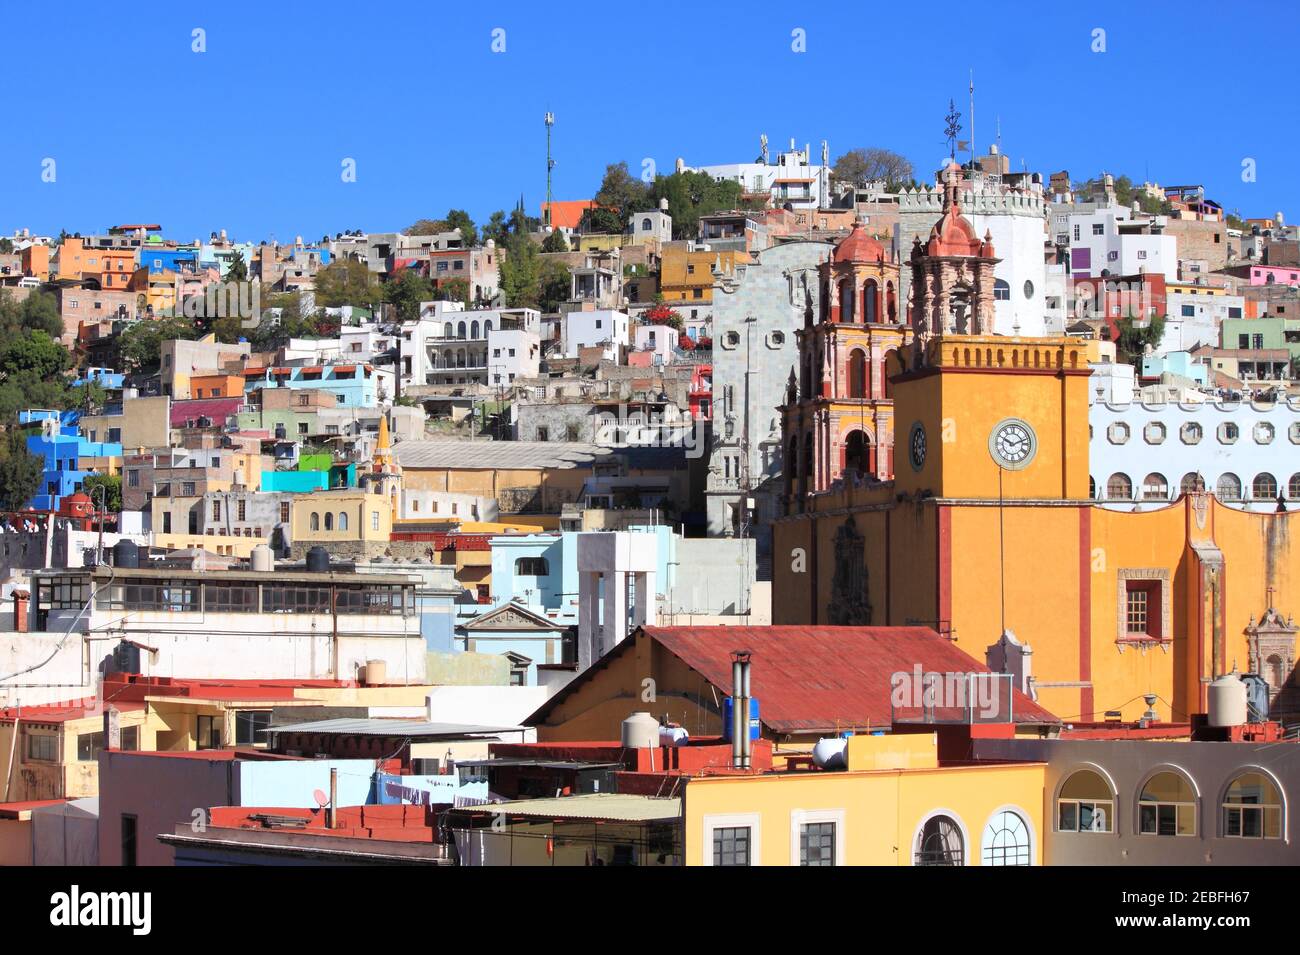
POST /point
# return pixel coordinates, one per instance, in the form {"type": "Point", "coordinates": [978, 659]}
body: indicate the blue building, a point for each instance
{"type": "Point", "coordinates": [355, 386]}
{"type": "Point", "coordinates": [169, 259]}
{"type": "Point", "coordinates": [63, 450]}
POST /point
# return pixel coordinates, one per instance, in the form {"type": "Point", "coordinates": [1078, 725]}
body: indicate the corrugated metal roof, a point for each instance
{"type": "Point", "coordinates": [812, 678]}
{"type": "Point", "coordinates": [387, 727]}
{"type": "Point", "coordinates": [615, 807]}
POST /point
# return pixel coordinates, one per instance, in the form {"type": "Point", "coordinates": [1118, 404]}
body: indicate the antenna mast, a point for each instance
{"type": "Point", "coordinates": [550, 164]}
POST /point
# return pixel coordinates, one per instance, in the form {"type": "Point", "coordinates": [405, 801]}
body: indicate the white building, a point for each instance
{"type": "Point", "coordinates": [491, 346]}
{"type": "Point", "coordinates": [1112, 241]}
{"type": "Point", "coordinates": [792, 179]}
{"type": "Point", "coordinates": [597, 327]}
{"type": "Point", "coordinates": [1195, 318]}
{"type": "Point", "coordinates": [1145, 455]}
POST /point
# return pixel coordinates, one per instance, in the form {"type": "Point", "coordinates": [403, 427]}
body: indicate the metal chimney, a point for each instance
{"type": "Point", "coordinates": [741, 745]}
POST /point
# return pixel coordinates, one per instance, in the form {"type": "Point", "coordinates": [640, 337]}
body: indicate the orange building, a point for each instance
{"type": "Point", "coordinates": [216, 386]}
{"type": "Point", "coordinates": [987, 533]}
{"type": "Point", "coordinates": [112, 267]}
{"type": "Point", "coordinates": [686, 276]}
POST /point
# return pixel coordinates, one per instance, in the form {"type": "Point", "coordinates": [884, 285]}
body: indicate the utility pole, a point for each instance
{"type": "Point", "coordinates": [550, 164]}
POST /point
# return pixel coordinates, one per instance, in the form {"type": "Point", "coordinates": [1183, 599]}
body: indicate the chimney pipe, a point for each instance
{"type": "Point", "coordinates": [330, 815]}
{"type": "Point", "coordinates": [741, 745]}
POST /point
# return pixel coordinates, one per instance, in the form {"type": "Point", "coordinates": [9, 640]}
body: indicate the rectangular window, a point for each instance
{"type": "Point", "coordinates": [374, 520]}
{"type": "Point", "coordinates": [284, 512]}
{"type": "Point", "coordinates": [130, 740]}
{"type": "Point", "coordinates": [89, 746]}
{"type": "Point", "coordinates": [230, 598]}
{"type": "Point", "coordinates": [817, 844]}
{"type": "Point", "coordinates": [1098, 228]}
{"type": "Point", "coordinates": [243, 509]}
{"type": "Point", "coordinates": [216, 510]}
{"type": "Point", "coordinates": [187, 489]}
{"type": "Point", "coordinates": [731, 846]}
{"type": "Point", "coordinates": [207, 732]}
{"type": "Point", "coordinates": [44, 747]}
{"type": "Point", "coordinates": [250, 727]}
{"type": "Point", "coordinates": [132, 478]}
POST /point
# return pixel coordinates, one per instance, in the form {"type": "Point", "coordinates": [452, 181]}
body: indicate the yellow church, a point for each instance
{"type": "Point", "coordinates": [986, 531]}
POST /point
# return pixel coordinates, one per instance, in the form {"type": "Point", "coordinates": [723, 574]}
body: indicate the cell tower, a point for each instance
{"type": "Point", "coordinates": [550, 164]}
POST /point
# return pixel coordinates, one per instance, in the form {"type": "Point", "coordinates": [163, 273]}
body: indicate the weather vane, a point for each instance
{"type": "Point", "coordinates": [951, 128]}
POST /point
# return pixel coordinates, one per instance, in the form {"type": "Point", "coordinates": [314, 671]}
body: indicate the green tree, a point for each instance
{"type": "Point", "coordinates": [346, 282]}
{"type": "Point", "coordinates": [238, 271]}
{"type": "Point", "coordinates": [555, 284]}
{"type": "Point", "coordinates": [425, 227]}
{"type": "Point", "coordinates": [406, 292]}
{"type": "Point", "coordinates": [459, 219]}
{"type": "Point", "coordinates": [452, 290]}
{"type": "Point", "coordinates": [21, 471]}
{"type": "Point", "coordinates": [694, 194]}
{"type": "Point", "coordinates": [555, 242]}
{"type": "Point", "coordinates": [34, 353]}
{"type": "Point", "coordinates": [497, 228]}
{"type": "Point", "coordinates": [112, 484]}
{"type": "Point", "coordinates": [140, 346]}
{"type": "Point", "coordinates": [1134, 337]}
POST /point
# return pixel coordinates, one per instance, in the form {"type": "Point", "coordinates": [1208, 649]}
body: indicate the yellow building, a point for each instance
{"type": "Point", "coordinates": [687, 277]}
{"type": "Point", "coordinates": [360, 523]}
{"type": "Point", "coordinates": [988, 532]}
{"type": "Point", "coordinates": [893, 804]}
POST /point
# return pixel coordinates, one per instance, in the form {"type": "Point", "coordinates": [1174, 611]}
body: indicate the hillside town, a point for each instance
{"type": "Point", "coordinates": [787, 511]}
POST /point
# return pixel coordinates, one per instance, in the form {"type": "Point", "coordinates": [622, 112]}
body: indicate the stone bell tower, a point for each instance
{"type": "Point", "coordinates": [952, 273]}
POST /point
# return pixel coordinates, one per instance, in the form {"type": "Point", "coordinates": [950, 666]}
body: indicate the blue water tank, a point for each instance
{"type": "Point", "coordinates": [754, 726]}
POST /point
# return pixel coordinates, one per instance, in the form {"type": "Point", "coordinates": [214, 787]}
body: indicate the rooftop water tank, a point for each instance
{"type": "Point", "coordinates": [640, 731]}
{"type": "Point", "coordinates": [831, 753]}
{"type": "Point", "coordinates": [673, 736]}
{"type": "Point", "coordinates": [376, 672]}
{"type": "Point", "coordinates": [318, 560]}
{"type": "Point", "coordinates": [262, 560]}
{"type": "Point", "coordinates": [1227, 701]}
{"type": "Point", "coordinates": [126, 555]}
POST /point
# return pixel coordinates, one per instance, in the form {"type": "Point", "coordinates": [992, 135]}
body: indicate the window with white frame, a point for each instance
{"type": "Point", "coordinates": [1006, 840]}
{"type": "Point", "coordinates": [1086, 804]}
{"type": "Point", "coordinates": [1167, 806]}
{"type": "Point", "coordinates": [1252, 808]}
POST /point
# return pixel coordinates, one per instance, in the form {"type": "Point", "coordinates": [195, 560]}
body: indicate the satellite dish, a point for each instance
{"type": "Point", "coordinates": [322, 800]}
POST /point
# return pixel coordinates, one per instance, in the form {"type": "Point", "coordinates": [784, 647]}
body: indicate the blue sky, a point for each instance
{"type": "Point", "coordinates": [250, 135]}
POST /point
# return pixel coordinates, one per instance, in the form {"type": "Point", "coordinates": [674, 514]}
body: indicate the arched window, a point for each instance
{"type": "Point", "coordinates": [1006, 840]}
{"type": "Point", "coordinates": [1092, 487]}
{"type": "Point", "coordinates": [1119, 488]}
{"type": "Point", "coordinates": [1293, 486]}
{"type": "Point", "coordinates": [1167, 806]}
{"type": "Point", "coordinates": [846, 301]}
{"type": "Point", "coordinates": [487, 327]}
{"type": "Point", "coordinates": [473, 329]}
{"type": "Point", "coordinates": [531, 567]}
{"type": "Point", "coordinates": [460, 330]}
{"type": "Point", "coordinates": [891, 303]}
{"type": "Point", "coordinates": [446, 330]}
{"type": "Point", "coordinates": [1191, 483]}
{"type": "Point", "coordinates": [857, 373]}
{"type": "Point", "coordinates": [793, 464]}
{"type": "Point", "coordinates": [1001, 291]}
{"type": "Point", "coordinates": [870, 302]}
{"type": "Point", "coordinates": [856, 459]}
{"type": "Point", "coordinates": [1228, 488]}
{"type": "Point", "coordinates": [329, 521]}
{"type": "Point", "coordinates": [645, 224]}
{"type": "Point", "coordinates": [1264, 487]}
{"type": "Point", "coordinates": [1252, 808]}
{"type": "Point", "coordinates": [1086, 804]}
{"type": "Point", "coordinates": [314, 521]}
{"type": "Point", "coordinates": [1155, 487]}
{"type": "Point", "coordinates": [939, 843]}
{"type": "Point", "coordinates": [343, 520]}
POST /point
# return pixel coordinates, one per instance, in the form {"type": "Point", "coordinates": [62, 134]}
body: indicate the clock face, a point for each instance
{"type": "Point", "coordinates": [916, 446]}
{"type": "Point", "coordinates": [1013, 443]}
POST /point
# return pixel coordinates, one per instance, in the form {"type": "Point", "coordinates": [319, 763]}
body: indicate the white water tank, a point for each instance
{"type": "Point", "coordinates": [262, 560]}
{"type": "Point", "coordinates": [831, 753]}
{"type": "Point", "coordinates": [1227, 701]}
{"type": "Point", "coordinates": [640, 731]}
{"type": "Point", "coordinates": [673, 736]}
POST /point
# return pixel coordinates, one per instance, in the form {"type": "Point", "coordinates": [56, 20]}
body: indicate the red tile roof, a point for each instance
{"type": "Point", "coordinates": [567, 214]}
{"type": "Point", "coordinates": [814, 679]}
